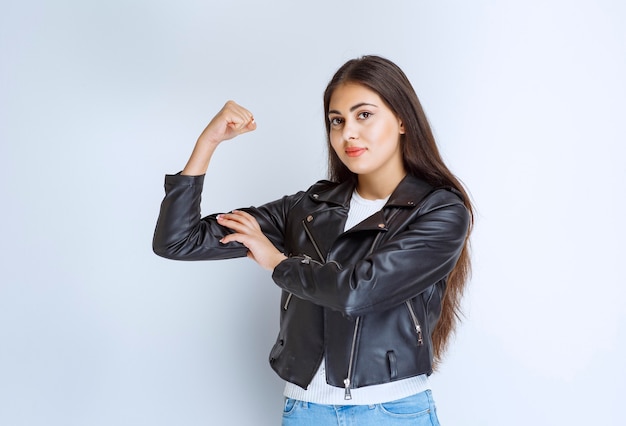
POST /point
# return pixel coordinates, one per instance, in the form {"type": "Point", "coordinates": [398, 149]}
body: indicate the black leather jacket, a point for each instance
{"type": "Point", "coordinates": [367, 299]}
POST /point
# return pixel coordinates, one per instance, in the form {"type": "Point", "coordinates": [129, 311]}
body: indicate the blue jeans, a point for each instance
{"type": "Point", "coordinates": [416, 410]}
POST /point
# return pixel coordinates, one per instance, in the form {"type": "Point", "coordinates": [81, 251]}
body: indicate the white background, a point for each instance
{"type": "Point", "coordinates": [99, 99]}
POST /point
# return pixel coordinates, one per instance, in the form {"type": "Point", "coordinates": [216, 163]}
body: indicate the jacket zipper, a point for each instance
{"type": "Point", "coordinates": [286, 305]}
{"type": "Point", "coordinates": [315, 246]}
{"type": "Point", "coordinates": [416, 323]}
{"type": "Point", "coordinates": [347, 380]}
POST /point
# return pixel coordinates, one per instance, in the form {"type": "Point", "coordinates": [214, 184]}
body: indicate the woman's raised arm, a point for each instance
{"type": "Point", "coordinates": [232, 120]}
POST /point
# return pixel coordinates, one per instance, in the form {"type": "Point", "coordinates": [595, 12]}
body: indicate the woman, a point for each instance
{"type": "Point", "coordinates": [372, 262]}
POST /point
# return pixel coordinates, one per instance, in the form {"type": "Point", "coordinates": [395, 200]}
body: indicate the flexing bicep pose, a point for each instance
{"type": "Point", "coordinates": [372, 262]}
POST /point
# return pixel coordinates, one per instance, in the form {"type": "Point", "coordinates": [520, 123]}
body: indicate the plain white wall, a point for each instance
{"type": "Point", "coordinates": [98, 100]}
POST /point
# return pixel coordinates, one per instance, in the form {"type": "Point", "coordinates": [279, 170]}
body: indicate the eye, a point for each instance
{"type": "Point", "coordinates": [363, 115]}
{"type": "Point", "coordinates": [336, 121]}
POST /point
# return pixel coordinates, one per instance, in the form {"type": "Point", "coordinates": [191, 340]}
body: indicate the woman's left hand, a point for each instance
{"type": "Point", "coordinates": [248, 232]}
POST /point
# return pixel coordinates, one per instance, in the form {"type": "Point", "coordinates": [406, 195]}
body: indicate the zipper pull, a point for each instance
{"type": "Point", "coordinates": [287, 302]}
{"type": "Point", "coordinates": [348, 395]}
{"type": "Point", "coordinates": [420, 339]}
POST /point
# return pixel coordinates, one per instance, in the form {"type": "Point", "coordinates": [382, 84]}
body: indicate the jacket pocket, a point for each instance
{"type": "Point", "coordinates": [393, 365]}
{"type": "Point", "coordinates": [277, 349]}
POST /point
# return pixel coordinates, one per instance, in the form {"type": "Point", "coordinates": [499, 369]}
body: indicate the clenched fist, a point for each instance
{"type": "Point", "coordinates": [232, 120]}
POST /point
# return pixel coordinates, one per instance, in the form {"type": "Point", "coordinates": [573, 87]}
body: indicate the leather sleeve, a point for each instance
{"type": "Point", "coordinates": [182, 234]}
{"type": "Point", "coordinates": [397, 270]}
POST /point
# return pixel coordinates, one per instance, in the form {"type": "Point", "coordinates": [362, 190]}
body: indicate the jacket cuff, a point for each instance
{"type": "Point", "coordinates": [178, 179]}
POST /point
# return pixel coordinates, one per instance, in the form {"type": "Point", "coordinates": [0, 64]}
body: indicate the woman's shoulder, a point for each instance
{"type": "Point", "coordinates": [322, 186]}
{"type": "Point", "coordinates": [428, 196]}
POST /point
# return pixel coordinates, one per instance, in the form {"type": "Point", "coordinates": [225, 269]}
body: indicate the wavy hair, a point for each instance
{"type": "Point", "coordinates": [421, 158]}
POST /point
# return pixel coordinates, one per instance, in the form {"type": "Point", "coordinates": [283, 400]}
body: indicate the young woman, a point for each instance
{"type": "Point", "coordinates": [372, 262]}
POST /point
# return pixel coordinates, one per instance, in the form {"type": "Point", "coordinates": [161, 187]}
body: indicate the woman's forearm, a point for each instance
{"type": "Point", "coordinates": [200, 158]}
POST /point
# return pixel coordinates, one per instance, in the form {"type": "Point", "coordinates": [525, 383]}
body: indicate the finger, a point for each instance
{"type": "Point", "coordinates": [232, 238]}
{"type": "Point", "coordinates": [243, 124]}
{"type": "Point", "coordinates": [237, 114]}
{"type": "Point", "coordinates": [246, 218]}
{"type": "Point", "coordinates": [234, 106]}
{"type": "Point", "coordinates": [238, 237]}
{"type": "Point", "coordinates": [247, 241]}
{"type": "Point", "coordinates": [238, 224]}
{"type": "Point", "coordinates": [230, 222]}
{"type": "Point", "coordinates": [251, 125]}
{"type": "Point", "coordinates": [238, 217]}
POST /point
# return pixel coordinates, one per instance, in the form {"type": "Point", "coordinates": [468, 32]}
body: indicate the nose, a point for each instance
{"type": "Point", "coordinates": [349, 130]}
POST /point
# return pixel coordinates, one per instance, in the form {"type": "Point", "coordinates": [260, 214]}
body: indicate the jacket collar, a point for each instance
{"type": "Point", "coordinates": [409, 192]}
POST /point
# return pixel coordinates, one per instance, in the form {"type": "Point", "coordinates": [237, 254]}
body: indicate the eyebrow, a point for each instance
{"type": "Point", "coordinates": [334, 111]}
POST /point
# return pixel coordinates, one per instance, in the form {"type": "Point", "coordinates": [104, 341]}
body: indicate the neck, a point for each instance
{"type": "Point", "coordinates": [372, 188]}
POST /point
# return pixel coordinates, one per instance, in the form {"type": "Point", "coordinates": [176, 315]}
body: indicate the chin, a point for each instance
{"type": "Point", "coordinates": [355, 170]}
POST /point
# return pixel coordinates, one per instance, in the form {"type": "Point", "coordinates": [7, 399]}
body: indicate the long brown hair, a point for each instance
{"type": "Point", "coordinates": [421, 158]}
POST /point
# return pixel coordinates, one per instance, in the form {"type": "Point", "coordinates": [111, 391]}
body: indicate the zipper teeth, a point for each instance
{"type": "Point", "coordinates": [416, 323]}
{"type": "Point", "coordinates": [348, 379]}
{"type": "Point", "coordinates": [317, 249]}
{"type": "Point", "coordinates": [353, 348]}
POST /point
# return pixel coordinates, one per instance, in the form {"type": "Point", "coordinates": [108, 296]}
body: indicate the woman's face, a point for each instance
{"type": "Point", "coordinates": [365, 133]}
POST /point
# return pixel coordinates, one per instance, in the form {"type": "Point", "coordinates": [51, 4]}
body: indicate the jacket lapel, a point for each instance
{"type": "Point", "coordinates": [326, 221]}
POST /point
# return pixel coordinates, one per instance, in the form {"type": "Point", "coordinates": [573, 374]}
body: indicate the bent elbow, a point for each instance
{"type": "Point", "coordinates": [162, 250]}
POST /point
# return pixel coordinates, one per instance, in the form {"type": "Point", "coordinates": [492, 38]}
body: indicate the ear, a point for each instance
{"type": "Point", "coordinates": [401, 126]}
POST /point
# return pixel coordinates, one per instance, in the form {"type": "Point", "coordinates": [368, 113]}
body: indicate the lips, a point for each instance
{"type": "Point", "coordinates": [354, 151]}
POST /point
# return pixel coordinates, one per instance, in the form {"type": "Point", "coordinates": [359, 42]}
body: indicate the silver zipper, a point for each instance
{"type": "Point", "coordinates": [347, 380]}
{"type": "Point", "coordinates": [287, 301]}
{"type": "Point", "coordinates": [416, 323]}
{"type": "Point", "coordinates": [306, 260]}
{"type": "Point", "coordinates": [317, 249]}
